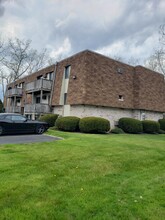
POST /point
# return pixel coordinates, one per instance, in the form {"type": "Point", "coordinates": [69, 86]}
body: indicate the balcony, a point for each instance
{"type": "Point", "coordinates": [13, 109]}
{"type": "Point", "coordinates": [14, 92]}
{"type": "Point", "coordinates": [37, 108]}
{"type": "Point", "coordinates": [41, 84]}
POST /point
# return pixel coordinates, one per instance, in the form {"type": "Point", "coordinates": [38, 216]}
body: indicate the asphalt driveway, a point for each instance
{"type": "Point", "coordinates": [29, 138]}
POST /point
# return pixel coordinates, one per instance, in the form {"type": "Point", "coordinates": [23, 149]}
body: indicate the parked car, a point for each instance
{"type": "Point", "coordinates": [11, 123]}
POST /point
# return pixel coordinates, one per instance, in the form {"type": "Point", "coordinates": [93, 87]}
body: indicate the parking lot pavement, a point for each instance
{"type": "Point", "coordinates": [29, 138]}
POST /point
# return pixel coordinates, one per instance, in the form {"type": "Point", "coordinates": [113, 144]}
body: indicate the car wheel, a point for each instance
{"type": "Point", "coordinates": [40, 129]}
{"type": "Point", "coordinates": [1, 130]}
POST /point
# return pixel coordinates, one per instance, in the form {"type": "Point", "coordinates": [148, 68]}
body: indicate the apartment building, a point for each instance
{"type": "Point", "coordinates": [89, 84]}
{"type": "Point", "coordinates": [31, 95]}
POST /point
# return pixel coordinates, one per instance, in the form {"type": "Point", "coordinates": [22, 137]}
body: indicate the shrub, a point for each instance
{"type": "Point", "coordinates": [68, 123]}
{"type": "Point", "coordinates": [162, 124]}
{"type": "Point", "coordinates": [49, 118]}
{"type": "Point", "coordinates": [161, 131]}
{"type": "Point", "coordinates": [117, 131]}
{"type": "Point", "coordinates": [53, 128]}
{"type": "Point", "coordinates": [94, 125]}
{"type": "Point", "coordinates": [130, 125]}
{"type": "Point", "coordinates": [151, 127]}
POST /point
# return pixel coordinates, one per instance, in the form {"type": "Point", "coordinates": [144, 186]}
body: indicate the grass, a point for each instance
{"type": "Point", "coordinates": [84, 176]}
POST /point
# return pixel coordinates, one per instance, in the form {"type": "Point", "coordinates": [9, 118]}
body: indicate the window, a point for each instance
{"type": "Point", "coordinates": [39, 77]}
{"type": "Point", "coordinates": [65, 98]}
{"type": "Point", "coordinates": [121, 98]}
{"type": "Point", "coordinates": [67, 72]}
{"type": "Point", "coordinates": [44, 97]}
{"type": "Point", "coordinates": [50, 76]}
{"type": "Point", "coordinates": [16, 117]}
{"type": "Point", "coordinates": [37, 99]}
{"type": "Point", "coordinates": [2, 117]}
{"type": "Point", "coordinates": [21, 85]}
{"type": "Point", "coordinates": [18, 102]}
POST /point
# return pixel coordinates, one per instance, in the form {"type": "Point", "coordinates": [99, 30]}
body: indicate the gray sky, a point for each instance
{"type": "Point", "coordinates": [127, 28]}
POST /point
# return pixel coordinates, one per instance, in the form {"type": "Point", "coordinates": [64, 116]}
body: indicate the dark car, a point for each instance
{"type": "Point", "coordinates": [11, 123]}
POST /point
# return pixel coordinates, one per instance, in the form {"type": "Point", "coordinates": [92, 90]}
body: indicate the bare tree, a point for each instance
{"type": "Point", "coordinates": [118, 58]}
{"type": "Point", "coordinates": [41, 60]}
{"type": "Point", "coordinates": [131, 60]}
{"type": "Point", "coordinates": [162, 34]}
{"type": "Point", "coordinates": [18, 58]}
{"type": "Point", "coordinates": [2, 51]}
{"type": "Point", "coordinates": [156, 61]}
{"type": "Point", "coordinates": [2, 82]}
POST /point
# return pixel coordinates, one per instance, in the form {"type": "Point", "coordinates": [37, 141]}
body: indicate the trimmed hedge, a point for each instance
{"type": "Point", "coordinates": [68, 123]}
{"type": "Point", "coordinates": [161, 131]}
{"type": "Point", "coordinates": [94, 125]}
{"type": "Point", "coordinates": [49, 118]}
{"type": "Point", "coordinates": [162, 124]}
{"type": "Point", "coordinates": [117, 131]}
{"type": "Point", "coordinates": [130, 125]}
{"type": "Point", "coordinates": [150, 126]}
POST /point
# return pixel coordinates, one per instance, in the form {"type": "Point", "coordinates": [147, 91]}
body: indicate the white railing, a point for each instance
{"type": "Point", "coordinates": [13, 109]}
{"type": "Point", "coordinates": [37, 108]}
{"type": "Point", "coordinates": [39, 84]}
{"type": "Point", "coordinates": [14, 92]}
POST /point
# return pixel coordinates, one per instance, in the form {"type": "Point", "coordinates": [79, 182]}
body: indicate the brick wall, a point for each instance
{"type": "Point", "coordinates": [149, 88]}
{"type": "Point", "coordinates": [99, 83]}
{"type": "Point", "coordinates": [76, 88]}
{"type": "Point", "coordinates": [104, 83]}
{"type": "Point", "coordinates": [112, 114]}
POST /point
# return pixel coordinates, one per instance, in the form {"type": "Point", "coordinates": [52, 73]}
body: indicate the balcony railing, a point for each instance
{"type": "Point", "coordinates": [13, 109]}
{"type": "Point", "coordinates": [37, 108]}
{"type": "Point", "coordinates": [14, 92]}
{"type": "Point", "coordinates": [41, 84]}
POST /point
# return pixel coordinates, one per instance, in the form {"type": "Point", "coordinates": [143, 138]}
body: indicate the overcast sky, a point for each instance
{"type": "Point", "coordinates": [127, 28]}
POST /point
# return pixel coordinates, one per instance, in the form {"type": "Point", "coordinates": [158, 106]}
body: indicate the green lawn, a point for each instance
{"type": "Point", "coordinates": [84, 177]}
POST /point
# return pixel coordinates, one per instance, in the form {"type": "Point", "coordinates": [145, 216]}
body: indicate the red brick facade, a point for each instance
{"type": "Point", "coordinates": [100, 81]}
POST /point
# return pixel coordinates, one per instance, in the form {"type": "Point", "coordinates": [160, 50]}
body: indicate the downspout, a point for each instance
{"type": "Point", "coordinates": [53, 85]}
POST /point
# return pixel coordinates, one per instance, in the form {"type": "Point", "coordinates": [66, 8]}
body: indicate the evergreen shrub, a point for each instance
{"type": "Point", "coordinates": [130, 125]}
{"type": "Point", "coordinates": [161, 131]}
{"type": "Point", "coordinates": [150, 126]}
{"type": "Point", "coordinates": [68, 123]}
{"type": "Point", "coordinates": [117, 131]}
{"type": "Point", "coordinates": [94, 125]}
{"type": "Point", "coordinates": [49, 118]}
{"type": "Point", "coordinates": [162, 124]}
